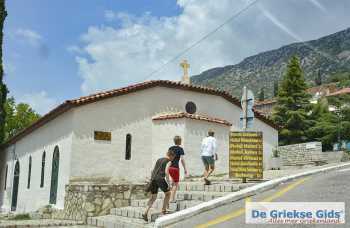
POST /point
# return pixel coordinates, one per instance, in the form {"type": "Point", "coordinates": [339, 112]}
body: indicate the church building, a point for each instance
{"type": "Point", "coordinates": [116, 136]}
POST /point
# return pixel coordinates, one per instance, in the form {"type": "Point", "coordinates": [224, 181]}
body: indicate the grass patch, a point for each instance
{"type": "Point", "coordinates": [20, 217]}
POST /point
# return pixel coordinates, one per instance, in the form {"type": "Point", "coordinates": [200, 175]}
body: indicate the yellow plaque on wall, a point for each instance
{"type": "Point", "coordinates": [102, 135]}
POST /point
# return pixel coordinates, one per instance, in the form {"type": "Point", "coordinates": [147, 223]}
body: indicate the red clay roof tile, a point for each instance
{"type": "Point", "coordinates": [191, 116]}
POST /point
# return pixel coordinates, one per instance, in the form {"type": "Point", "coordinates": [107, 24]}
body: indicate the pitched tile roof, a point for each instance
{"type": "Point", "coordinates": [191, 116]}
{"type": "Point", "coordinates": [265, 102]}
{"type": "Point", "coordinates": [69, 104]}
{"type": "Point", "coordinates": [340, 92]}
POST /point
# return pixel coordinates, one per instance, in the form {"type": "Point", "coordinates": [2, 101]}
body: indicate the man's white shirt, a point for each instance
{"type": "Point", "coordinates": [208, 146]}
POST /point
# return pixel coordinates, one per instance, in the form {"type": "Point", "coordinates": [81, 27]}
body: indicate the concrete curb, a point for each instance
{"type": "Point", "coordinates": [235, 196]}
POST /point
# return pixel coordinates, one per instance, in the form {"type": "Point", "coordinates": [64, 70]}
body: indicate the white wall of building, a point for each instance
{"type": "Point", "coordinates": [163, 132]}
{"type": "Point", "coordinates": [57, 132]}
{"type": "Point", "coordinates": [195, 132]}
{"type": "Point", "coordinates": [102, 160]}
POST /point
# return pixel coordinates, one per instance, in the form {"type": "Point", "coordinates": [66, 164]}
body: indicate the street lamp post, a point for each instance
{"type": "Point", "coordinates": [338, 112]}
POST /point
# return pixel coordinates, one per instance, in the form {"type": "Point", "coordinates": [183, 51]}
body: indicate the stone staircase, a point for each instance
{"type": "Point", "coordinates": [188, 195]}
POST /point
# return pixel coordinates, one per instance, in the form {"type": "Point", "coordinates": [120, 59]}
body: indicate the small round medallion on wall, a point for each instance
{"type": "Point", "coordinates": [191, 107]}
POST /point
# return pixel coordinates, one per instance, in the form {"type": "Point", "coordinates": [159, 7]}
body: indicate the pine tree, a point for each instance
{"type": "Point", "coordinates": [3, 89]}
{"type": "Point", "coordinates": [261, 95]}
{"type": "Point", "coordinates": [318, 78]}
{"type": "Point", "coordinates": [293, 105]}
{"type": "Point", "coordinates": [275, 88]}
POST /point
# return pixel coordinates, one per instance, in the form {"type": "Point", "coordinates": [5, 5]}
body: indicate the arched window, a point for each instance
{"type": "Point", "coordinates": [6, 173]}
{"type": "Point", "coordinates": [15, 187]}
{"type": "Point", "coordinates": [29, 171]}
{"type": "Point", "coordinates": [42, 169]}
{"type": "Point", "coordinates": [128, 147]}
{"type": "Point", "coordinates": [54, 175]}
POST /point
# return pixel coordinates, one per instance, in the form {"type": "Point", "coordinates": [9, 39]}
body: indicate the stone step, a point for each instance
{"type": "Point", "coordinates": [196, 195]}
{"type": "Point", "coordinates": [181, 205]}
{"type": "Point", "coordinates": [158, 204]}
{"type": "Point", "coordinates": [114, 221]}
{"type": "Point", "coordinates": [136, 212]}
{"type": "Point", "coordinates": [214, 187]}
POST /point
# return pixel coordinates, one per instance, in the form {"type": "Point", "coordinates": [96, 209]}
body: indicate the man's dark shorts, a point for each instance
{"type": "Point", "coordinates": [208, 161]}
{"type": "Point", "coordinates": [158, 183]}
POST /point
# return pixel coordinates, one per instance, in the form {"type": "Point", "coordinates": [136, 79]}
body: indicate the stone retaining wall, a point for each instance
{"type": "Point", "coordinates": [334, 156]}
{"type": "Point", "coordinates": [301, 154]}
{"type": "Point", "coordinates": [87, 200]}
{"type": "Point", "coordinates": [309, 154]}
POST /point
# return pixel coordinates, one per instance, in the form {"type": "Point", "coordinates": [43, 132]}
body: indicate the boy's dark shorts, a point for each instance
{"type": "Point", "coordinates": [158, 183]}
{"type": "Point", "coordinates": [208, 161]}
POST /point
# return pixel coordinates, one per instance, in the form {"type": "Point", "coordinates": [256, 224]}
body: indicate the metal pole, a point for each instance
{"type": "Point", "coordinates": [245, 110]}
{"type": "Point", "coordinates": [339, 128]}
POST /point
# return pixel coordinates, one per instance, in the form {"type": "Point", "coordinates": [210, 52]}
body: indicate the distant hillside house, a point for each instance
{"type": "Point", "coordinates": [116, 136]}
{"type": "Point", "coordinates": [265, 106]}
{"type": "Point", "coordinates": [340, 92]}
{"type": "Point", "coordinates": [317, 92]}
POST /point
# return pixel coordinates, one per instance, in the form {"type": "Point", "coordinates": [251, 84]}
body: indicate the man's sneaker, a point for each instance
{"type": "Point", "coordinates": [207, 182]}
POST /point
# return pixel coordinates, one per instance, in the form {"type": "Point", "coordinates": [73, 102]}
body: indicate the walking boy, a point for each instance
{"type": "Point", "coordinates": [208, 153]}
{"type": "Point", "coordinates": [174, 169]}
{"type": "Point", "coordinates": [160, 179]}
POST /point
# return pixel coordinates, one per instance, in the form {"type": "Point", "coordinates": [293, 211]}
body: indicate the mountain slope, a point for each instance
{"type": "Point", "coordinates": [327, 55]}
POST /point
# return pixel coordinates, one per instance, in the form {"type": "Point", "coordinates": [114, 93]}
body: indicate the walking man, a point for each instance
{"type": "Point", "coordinates": [208, 153]}
{"type": "Point", "coordinates": [160, 179]}
{"type": "Point", "coordinates": [174, 169]}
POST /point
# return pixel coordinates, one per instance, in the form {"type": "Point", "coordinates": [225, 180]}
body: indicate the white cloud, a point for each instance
{"type": "Point", "coordinates": [74, 49]}
{"type": "Point", "coordinates": [9, 68]}
{"type": "Point", "coordinates": [29, 35]}
{"type": "Point", "coordinates": [109, 15]}
{"type": "Point", "coordinates": [34, 39]}
{"type": "Point", "coordinates": [129, 52]}
{"type": "Point", "coordinates": [40, 101]}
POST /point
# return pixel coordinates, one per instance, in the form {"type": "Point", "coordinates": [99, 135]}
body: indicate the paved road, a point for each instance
{"type": "Point", "coordinates": [330, 187]}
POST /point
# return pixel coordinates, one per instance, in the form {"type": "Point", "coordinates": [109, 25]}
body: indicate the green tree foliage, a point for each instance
{"type": "Point", "coordinates": [331, 127]}
{"type": "Point", "coordinates": [342, 79]}
{"type": "Point", "coordinates": [3, 89]}
{"type": "Point", "coordinates": [318, 78]}
{"type": "Point", "coordinates": [292, 105]}
{"type": "Point", "coordinates": [261, 95]}
{"type": "Point", "coordinates": [19, 116]}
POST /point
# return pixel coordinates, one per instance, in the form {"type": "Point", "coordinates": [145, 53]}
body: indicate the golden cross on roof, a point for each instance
{"type": "Point", "coordinates": [185, 66]}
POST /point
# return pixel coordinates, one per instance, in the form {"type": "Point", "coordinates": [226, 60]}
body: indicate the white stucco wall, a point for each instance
{"type": "Point", "coordinates": [122, 115]}
{"type": "Point", "coordinates": [195, 132]}
{"type": "Point", "coordinates": [163, 132]}
{"type": "Point", "coordinates": [56, 132]}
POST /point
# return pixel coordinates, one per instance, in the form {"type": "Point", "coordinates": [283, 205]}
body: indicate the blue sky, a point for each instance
{"type": "Point", "coordinates": [43, 63]}
{"type": "Point", "coordinates": [58, 50]}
